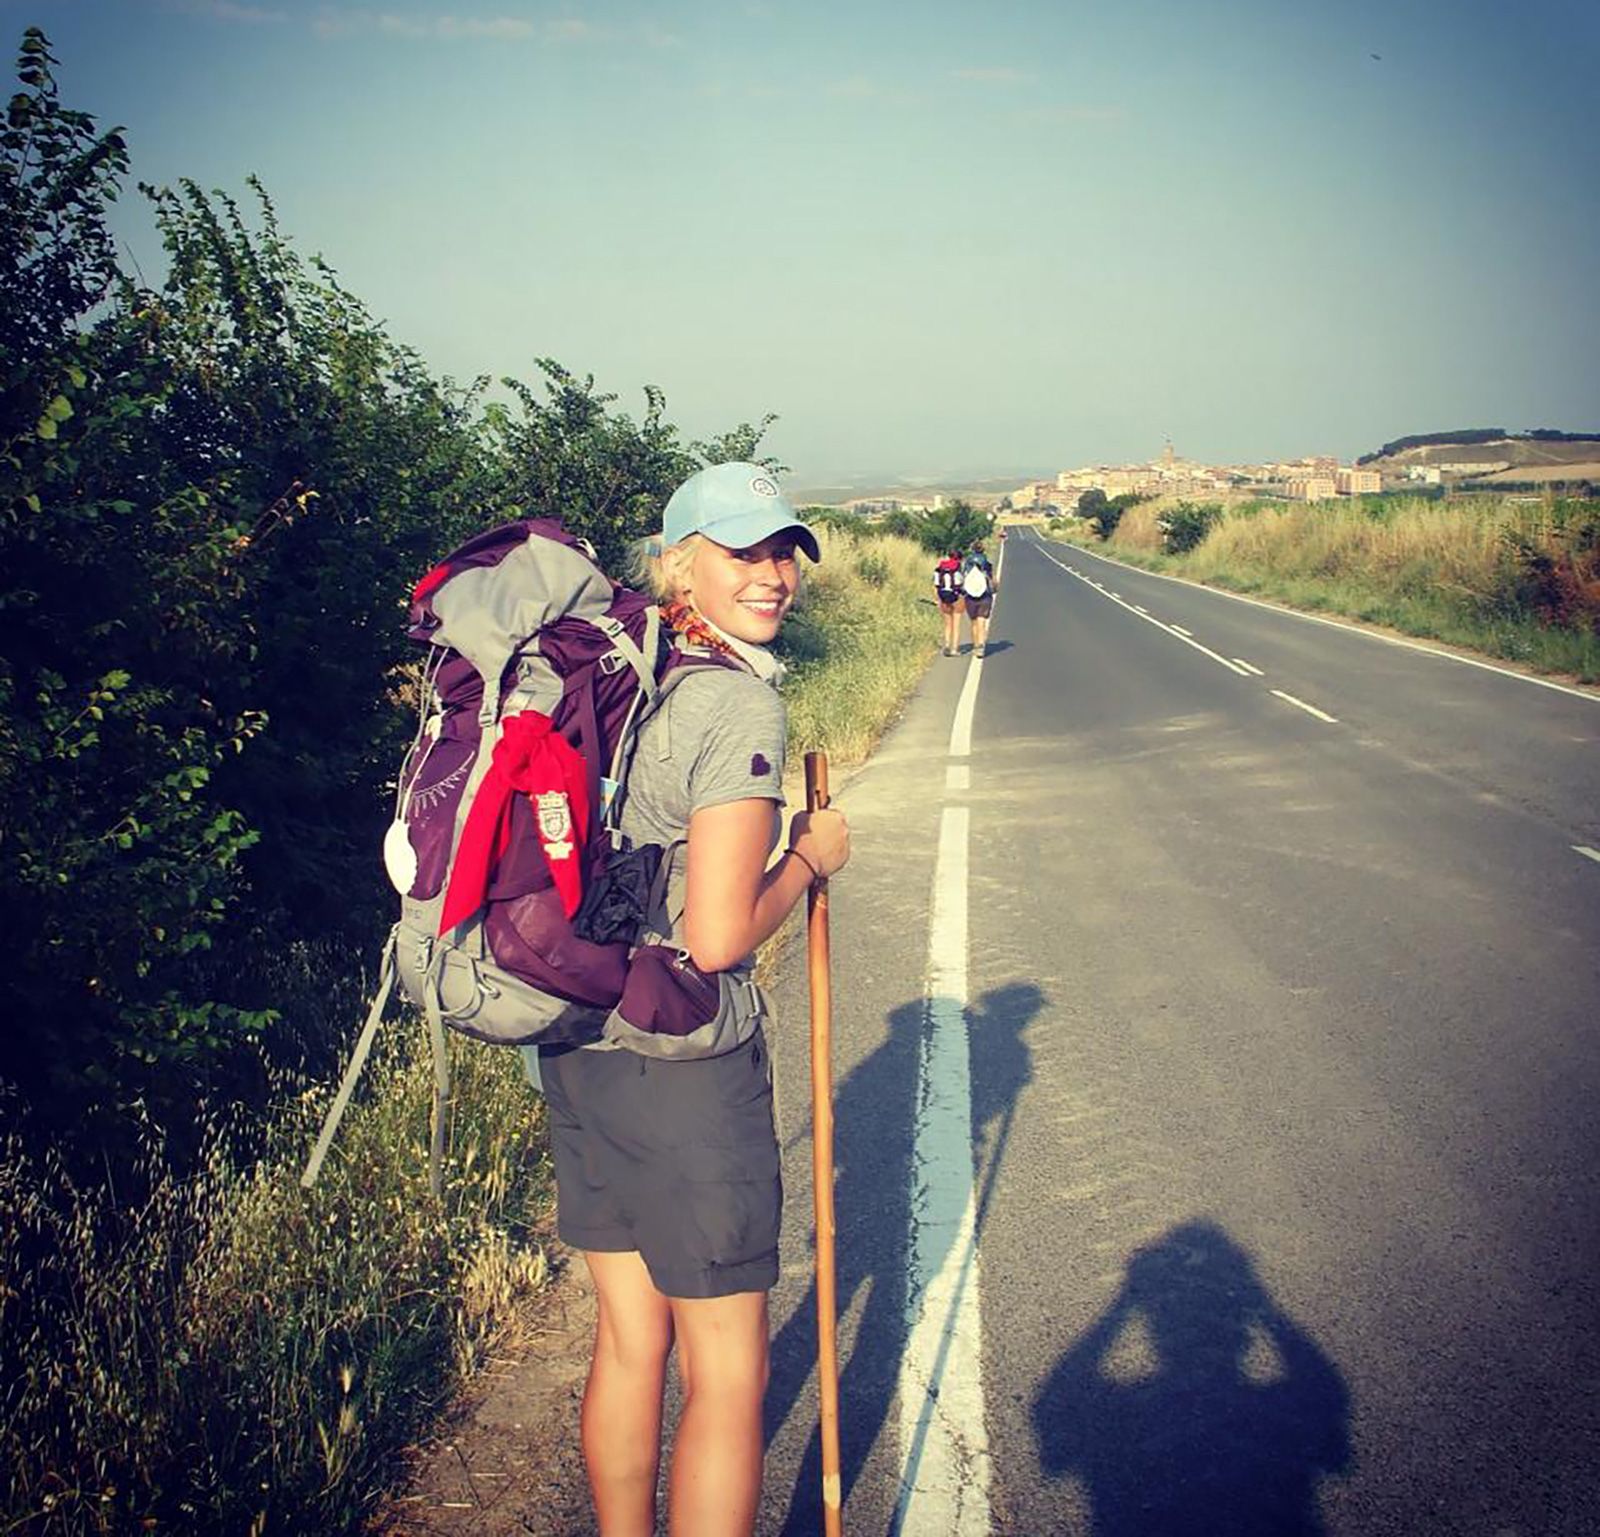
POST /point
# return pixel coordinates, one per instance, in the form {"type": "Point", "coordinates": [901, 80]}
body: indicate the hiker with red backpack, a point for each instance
{"type": "Point", "coordinates": [667, 1170]}
{"type": "Point", "coordinates": [947, 590]}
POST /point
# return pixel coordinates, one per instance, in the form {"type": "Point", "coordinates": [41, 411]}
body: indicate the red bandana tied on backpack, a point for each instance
{"type": "Point", "coordinates": [532, 758]}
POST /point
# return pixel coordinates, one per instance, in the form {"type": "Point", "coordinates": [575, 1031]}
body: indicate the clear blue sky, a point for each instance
{"type": "Point", "coordinates": [934, 238]}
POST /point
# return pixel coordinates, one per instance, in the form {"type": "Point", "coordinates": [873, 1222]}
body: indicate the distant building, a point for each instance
{"type": "Point", "coordinates": [1077, 480]}
{"type": "Point", "coordinates": [1428, 474]}
{"type": "Point", "coordinates": [1355, 482]}
{"type": "Point", "coordinates": [1312, 488]}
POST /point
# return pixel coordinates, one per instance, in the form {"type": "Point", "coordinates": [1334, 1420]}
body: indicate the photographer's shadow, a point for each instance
{"type": "Point", "coordinates": [1194, 1407]}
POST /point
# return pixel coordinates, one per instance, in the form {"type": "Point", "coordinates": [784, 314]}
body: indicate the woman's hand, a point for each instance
{"type": "Point", "coordinates": [822, 839]}
{"type": "Point", "coordinates": [732, 899]}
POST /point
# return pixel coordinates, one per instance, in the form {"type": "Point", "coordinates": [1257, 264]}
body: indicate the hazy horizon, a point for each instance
{"type": "Point", "coordinates": [938, 245]}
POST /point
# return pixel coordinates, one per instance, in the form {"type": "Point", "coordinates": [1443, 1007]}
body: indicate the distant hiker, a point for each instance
{"type": "Point", "coordinates": [947, 590]}
{"type": "Point", "coordinates": [978, 587]}
{"type": "Point", "coordinates": [667, 1171]}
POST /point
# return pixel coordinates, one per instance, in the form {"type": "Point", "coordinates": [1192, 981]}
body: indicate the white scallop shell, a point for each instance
{"type": "Point", "coordinates": [399, 858]}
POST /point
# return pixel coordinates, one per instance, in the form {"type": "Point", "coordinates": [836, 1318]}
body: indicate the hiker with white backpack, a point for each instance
{"type": "Point", "coordinates": [979, 584]}
{"type": "Point", "coordinates": [667, 1170]}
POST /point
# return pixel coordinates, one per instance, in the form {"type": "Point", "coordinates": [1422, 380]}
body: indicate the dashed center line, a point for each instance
{"type": "Point", "coordinates": [1180, 629]}
{"type": "Point", "coordinates": [1148, 618]}
{"type": "Point", "coordinates": [1587, 852]}
{"type": "Point", "coordinates": [1310, 709]}
{"type": "Point", "coordinates": [1250, 667]}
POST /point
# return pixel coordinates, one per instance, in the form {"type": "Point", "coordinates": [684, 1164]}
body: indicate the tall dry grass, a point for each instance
{"type": "Point", "coordinates": [1513, 577]}
{"type": "Point", "coordinates": [220, 1351]}
{"type": "Point", "coordinates": [861, 636]}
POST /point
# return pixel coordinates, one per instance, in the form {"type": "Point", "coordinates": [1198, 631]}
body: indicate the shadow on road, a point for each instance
{"type": "Point", "coordinates": [874, 1135]}
{"type": "Point", "coordinates": [1194, 1406]}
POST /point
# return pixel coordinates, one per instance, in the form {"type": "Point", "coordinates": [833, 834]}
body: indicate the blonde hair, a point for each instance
{"type": "Point", "coordinates": [663, 573]}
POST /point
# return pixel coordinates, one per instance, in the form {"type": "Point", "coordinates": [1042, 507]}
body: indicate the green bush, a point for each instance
{"type": "Point", "coordinates": [1184, 526]}
{"type": "Point", "coordinates": [872, 569]}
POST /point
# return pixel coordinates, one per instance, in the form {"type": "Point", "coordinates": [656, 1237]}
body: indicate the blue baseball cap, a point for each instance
{"type": "Point", "coordinates": [735, 504]}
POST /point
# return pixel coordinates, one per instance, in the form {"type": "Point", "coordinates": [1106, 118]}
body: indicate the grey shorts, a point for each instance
{"type": "Point", "coordinates": [677, 1160]}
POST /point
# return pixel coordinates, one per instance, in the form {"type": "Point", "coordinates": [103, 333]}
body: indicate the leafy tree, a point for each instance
{"type": "Point", "coordinates": [564, 454]}
{"type": "Point", "coordinates": [958, 525]}
{"type": "Point", "coordinates": [118, 859]}
{"type": "Point", "coordinates": [215, 497]}
{"type": "Point", "coordinates": [1091, 504]}
{"type": "Point", "coordinates": [567, 454]}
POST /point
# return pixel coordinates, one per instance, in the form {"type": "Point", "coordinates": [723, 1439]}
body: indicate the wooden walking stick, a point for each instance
{"type": "Point", "coordinates": [822, 1160]}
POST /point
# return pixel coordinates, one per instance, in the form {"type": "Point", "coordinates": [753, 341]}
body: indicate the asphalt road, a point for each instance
{"type": "Point", "coordinates": [1277, 1011]}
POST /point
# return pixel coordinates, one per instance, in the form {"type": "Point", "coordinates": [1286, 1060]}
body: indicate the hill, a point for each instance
{"type": "Point", "coordinates": [1488, 446]}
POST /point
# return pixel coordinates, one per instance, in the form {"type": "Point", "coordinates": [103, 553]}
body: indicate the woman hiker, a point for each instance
{"type": "Point", "coordinates": [947, 590]}
{"type": "Point", "coordinates": [978, 587]}
{"type": "Point", "coordinates": [667, 1171]}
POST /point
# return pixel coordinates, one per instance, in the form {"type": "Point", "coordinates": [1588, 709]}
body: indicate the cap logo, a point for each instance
{"type": "Point", "coordinates": [763, 487]}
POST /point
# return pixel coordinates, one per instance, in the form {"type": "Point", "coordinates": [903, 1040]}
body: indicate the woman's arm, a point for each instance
{"type": "Point", "coordinates": [733, 901]}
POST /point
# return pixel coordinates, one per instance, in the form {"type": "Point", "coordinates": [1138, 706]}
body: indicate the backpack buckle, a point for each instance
{"type": "Point", "coordinates": [612, 662]}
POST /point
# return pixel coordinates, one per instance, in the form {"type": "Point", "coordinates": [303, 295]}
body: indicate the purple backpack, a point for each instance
{"type": "Point", "coordinates": [524, 918]}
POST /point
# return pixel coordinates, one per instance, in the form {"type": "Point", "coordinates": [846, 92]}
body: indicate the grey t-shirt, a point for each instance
{"type": "Point", "coordinates": [718, 737]}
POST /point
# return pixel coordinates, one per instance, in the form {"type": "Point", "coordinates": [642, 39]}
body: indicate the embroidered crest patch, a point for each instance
{"type": "Point", "coordinates": [763, 487]}
{"type": "Point", "coordinates": [555, 823]}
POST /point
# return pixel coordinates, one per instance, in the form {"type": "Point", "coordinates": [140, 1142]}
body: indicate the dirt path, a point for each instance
{"type": "Point", "coordinates": [506, 1463]}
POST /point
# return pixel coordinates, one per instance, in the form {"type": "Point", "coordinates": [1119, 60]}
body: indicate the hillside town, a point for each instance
{"type": "Point", "coordinates": [1314, 478]}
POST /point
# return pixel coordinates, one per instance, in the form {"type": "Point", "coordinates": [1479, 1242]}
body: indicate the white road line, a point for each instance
{"type": "Point", "coordinates": [1146, 613]}
{"type": "Point", "coordinates": [1310, 709]}
{"type": "Point", "coordinates": [1180, 629]}
{"type": "Point", "coordinates": [1149, 619]}
{"type": "Point", "coordinates": [1351, 628]}
{"type": "Point", "coordinates": [961, 726]}
{"type": "Point", "coordinates": [1587, 852]}
{"type": "Point", "coordinates": [944, 1476]}
{"type": "Point", "coordinates": [1250, 667]}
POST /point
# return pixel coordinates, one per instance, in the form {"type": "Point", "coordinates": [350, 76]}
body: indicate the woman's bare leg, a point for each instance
{"type": "Point", "coordinates": [715, 1480]}
{"type": "Point", "coordinates": [622, 1400]}
{"type": "Point", "coordinates": [952, 627]}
